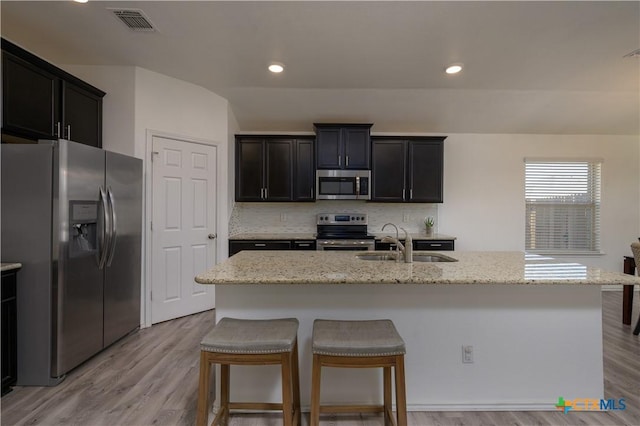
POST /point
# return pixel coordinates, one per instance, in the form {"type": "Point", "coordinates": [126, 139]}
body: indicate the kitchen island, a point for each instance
{"type": "Point", "coordinates": [534, 324]}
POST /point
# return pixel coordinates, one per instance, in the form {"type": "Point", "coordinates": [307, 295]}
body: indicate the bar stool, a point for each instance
{"type": "Point", "coordinates": [250, 342]}
{"type": "Point", "coordinates": [359, 344]}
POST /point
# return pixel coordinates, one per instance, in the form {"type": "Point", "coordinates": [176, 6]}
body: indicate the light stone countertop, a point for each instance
{"type": "Point", "coordinates": [331, 267]}
{"type": "Point", "coordinates": [6, 266]}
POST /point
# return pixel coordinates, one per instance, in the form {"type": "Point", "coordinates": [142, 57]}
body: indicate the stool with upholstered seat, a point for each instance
{"type": "Point", "coordinates": [250, 342]}
{"type": "Point", "coordinates": [359, 344]}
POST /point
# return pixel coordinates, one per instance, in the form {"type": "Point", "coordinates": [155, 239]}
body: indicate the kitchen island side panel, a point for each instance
{"type": "Point", "coordinates": [531, 344]}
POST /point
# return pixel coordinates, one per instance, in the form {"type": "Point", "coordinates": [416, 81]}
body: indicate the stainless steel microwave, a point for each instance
{"type": "Point", "coordinates": [343, 184]}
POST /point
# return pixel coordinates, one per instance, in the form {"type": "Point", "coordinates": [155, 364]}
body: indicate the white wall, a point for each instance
{"type": "Point", "coordinates": [174, 106]}
{"type": "Point", "coordinates": [484, 189]}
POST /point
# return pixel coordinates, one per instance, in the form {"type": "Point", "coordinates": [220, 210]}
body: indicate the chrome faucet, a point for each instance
{"type": "Point", "coordinates": [406, 250]}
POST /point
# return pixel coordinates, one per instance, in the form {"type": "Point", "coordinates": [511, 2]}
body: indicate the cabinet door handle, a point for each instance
{"type": "Point", "coordinates": [259, 245]}
{"type": "Point", "coordinates": [403, 193]}
{"type": "Point", "coordinates": [266, 193]}
{"type": "Point", "coordinates": [346, 161]}
{"type": "Point", "coordinates": [262, 193]}
{"type": "Point", "coordinates": [69, 132]}
{"type": "Point", "coordinates": [411, 194]}
{"type": "Point", "coordinates": [304, 245]}
{"type": "Point", "coordinates": [339, 160]}
{"type": "Point", "coordinates": [58, 129]}
{"type": "Point", "coordinates": [435, 245]}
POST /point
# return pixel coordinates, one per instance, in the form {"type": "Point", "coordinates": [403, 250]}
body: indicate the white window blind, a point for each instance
{"type": "Point", "coordinates": [562, 206]}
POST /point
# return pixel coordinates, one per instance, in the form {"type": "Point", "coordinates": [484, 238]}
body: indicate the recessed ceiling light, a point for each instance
{"type": "Point", "coordinates": [453, 69]}
{"type": "Point", "coordinates": [81, 1]}
{"type": "Point", "coordinates": [276, 67]}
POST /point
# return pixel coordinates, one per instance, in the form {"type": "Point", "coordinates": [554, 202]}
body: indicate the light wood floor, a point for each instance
{"type": "Point", "coordinates": [151, 378]}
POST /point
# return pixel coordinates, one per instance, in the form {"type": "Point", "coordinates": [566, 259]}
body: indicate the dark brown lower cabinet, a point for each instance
{"type": "Point", "coordinates": [236, 246]}
{"type": "Point", "coordinates": [9, 362]}
{"type": "Point", "coordinates": [421, 245]}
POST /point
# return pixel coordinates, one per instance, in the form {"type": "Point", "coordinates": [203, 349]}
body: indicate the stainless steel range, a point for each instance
{"type": "Point", "coordinates": [343, 231]}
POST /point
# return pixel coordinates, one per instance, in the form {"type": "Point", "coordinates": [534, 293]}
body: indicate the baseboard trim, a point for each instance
{"type": "Point", "coordinates": [483, 407]}
{"type": "Point", "coordinates": [471, 407]}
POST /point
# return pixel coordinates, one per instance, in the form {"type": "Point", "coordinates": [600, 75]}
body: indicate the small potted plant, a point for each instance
{"type": "Point", "coordinates": [428, 225]}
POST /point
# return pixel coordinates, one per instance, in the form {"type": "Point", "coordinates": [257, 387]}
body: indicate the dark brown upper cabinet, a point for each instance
{"type": "Point", "coordinates": [41, 101]}
{"type": "Point", "coordinates": [407, 169]}
{"type": "Point", "coordinates": [304, 176]}
{"type": "Point", "coordinates": [274, 168]}
{"type": "Point", "coordinates": [343, 146]}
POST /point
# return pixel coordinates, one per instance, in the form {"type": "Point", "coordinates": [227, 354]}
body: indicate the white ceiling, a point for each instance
{"type": "Point", "coordinates": [530, 67]}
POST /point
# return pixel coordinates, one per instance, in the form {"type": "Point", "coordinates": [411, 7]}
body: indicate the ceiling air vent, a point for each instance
{"type": "Point", "coordinates": [135, 19]}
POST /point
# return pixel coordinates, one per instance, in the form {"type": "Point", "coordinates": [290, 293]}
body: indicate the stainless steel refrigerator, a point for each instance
{"type": "Point", "coordinates": [72, 215]}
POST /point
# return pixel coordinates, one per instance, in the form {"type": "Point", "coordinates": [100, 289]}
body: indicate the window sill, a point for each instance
{"type": "Point", "coordinates": [566, 253]}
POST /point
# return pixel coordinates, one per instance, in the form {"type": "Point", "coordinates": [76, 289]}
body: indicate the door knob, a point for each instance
{"type": "Point", "coordinates": [212, 236]}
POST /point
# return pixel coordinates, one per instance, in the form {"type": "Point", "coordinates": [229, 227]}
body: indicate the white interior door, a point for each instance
{"type": "Point", "coordinates": [183, 227]}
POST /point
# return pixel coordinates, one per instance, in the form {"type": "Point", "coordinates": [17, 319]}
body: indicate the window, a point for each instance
{"type": "Point", "coordinates": [562, 206]}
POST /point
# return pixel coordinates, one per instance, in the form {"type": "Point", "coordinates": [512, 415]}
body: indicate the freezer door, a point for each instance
{"type": "Point", "coordinates": [77, 246]}
{"type": "Point", "coordinates": [123, 266]}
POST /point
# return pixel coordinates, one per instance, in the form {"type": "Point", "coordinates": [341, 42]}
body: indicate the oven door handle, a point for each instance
{"type": "Point", "coordinates": [369, 245]}
{"type": "Point", "coordinates": [357, 186]}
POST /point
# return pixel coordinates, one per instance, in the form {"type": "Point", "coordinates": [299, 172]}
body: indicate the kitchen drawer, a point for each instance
{"type": "Point", "coordinates": [380, 246]}
{"type": "Point", "coordinates": [237, 246]}
{"type": "Point", "coordinates": [447, 245]}
{"type": "Point", "coordinates": [304, 244]}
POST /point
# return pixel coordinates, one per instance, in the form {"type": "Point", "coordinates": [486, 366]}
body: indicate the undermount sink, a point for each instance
{"type": "Point", "coordinates": [434, 257]}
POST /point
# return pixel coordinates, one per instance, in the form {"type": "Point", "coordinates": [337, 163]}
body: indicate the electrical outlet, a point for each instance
{"type": "Point", "coordinates": [283, 217]}
{"type": "Point", "coordinates": [467, 354]}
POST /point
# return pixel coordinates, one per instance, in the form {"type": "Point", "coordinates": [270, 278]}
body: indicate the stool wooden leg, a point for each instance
{"type": "Point", "coordinates": [287, 392]}
{"type": "Point", "coordinates": [225, 378]}
{"type": "Point", "coordinates": [296, 385]}
{"type": "Point", "coordinates": [314, 417]}
{"type": "Point", "coordinates": [401, 394]}
{"type": "Point", "coordinates": [203, 390]}
{"type": "Point", "coordinates": [388, 413]}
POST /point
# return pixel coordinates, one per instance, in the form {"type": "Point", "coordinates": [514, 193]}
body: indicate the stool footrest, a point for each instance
{"type": "Point", "coordinates": [255, 406]}
{"type": "Point", "coordinates": [352, 408]}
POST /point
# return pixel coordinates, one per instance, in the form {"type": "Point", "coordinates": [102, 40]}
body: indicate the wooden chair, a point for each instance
{"type": "Point", "coordinates": [635, 248]}
{"type": "Point", "coordinates": [250, 342]}
{"type": "Point", "coordinates": [359, 344]}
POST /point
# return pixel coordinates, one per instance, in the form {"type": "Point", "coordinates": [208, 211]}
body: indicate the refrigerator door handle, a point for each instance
{"type": "Point", "coordinates": [106, 229]}
{"type": "Point", "coordinates": [114, 227]}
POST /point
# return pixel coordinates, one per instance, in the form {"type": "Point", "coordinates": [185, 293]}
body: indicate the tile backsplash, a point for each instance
{"type": "Point", "coordinates": [301, 217]}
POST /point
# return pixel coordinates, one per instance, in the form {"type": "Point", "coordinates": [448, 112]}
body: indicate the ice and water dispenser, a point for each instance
{"type": "Point", "coordinates": [83, 230]}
